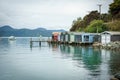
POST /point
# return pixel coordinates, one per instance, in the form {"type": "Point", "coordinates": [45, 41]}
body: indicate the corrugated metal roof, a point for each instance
{"type": "Point", "coordinates": [111, 32]}
{"type": "Point", "coordinates": [80, 33]}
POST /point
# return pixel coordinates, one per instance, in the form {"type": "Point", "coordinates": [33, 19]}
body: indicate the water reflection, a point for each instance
{"type": "Point", "coordinates": [88, 55]}
{"type": "Point", "coordinates": [114, 62]}
{"type": "Point", "coordinates": [12, 43]}
{"type": "Point", "coordinates": [4, 46]}
{"type": "Point", "coordinates": [65, 51]}
{"type": "Point", "coordinates": [96, 61]}
{"type": "Point", "coordinates": [4, 41]}
{"type": "Point", "coordinates": [55, 62]}
{"type": "Point", "coordinates": [55, 47]}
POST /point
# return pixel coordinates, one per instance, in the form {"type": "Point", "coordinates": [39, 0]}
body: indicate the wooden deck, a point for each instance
{"type": "Point", "coordinates": [39, 41]}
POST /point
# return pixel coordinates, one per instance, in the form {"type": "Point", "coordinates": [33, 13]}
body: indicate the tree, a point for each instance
{"type": "Point", "coordinates": [114, 9]}
{"type": "Point", "coordinates": [114, 26]}
{"type": "Point", "coordinates": [93, 15]}
{"type": "Point", "coordinates": [96, 26]}
{"type": "Point", "coordinates": [75, 24]}
{"type": "Point", "coordinates": [106, 17]}
{"type": "Point", "coordinates": [80, 25]}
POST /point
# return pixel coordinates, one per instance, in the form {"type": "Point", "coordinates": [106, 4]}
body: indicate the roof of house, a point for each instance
{"type": "Point", "coordinates": [111, 32]}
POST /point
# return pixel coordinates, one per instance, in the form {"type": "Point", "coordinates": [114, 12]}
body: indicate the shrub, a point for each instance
{"type": "Point", "coordinates": [96, 26]}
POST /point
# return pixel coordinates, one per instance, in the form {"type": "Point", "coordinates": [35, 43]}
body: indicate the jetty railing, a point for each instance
{"type": "Point", "coordinates": [38, 41]}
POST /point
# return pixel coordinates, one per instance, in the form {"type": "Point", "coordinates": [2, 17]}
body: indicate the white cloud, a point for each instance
{"type": "Point", "coordinates": [46, 13]}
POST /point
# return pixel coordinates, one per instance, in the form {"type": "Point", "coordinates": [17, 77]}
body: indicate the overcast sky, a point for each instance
{"type": "Point", "coordinates": [50, 14]}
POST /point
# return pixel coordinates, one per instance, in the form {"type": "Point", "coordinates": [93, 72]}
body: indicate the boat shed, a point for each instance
{"type": "Point", "coordinates": [78, 37]}
{"type": "Point", "coordinates": [62, 36]}
{"type": "Point", "coordinates": [66, 37]}
{"type": "Point", "coordinates": [108, 36]}
{"type": "Point", "coordinates": [55, 36]}
{"type": "Point", "coordinates": [71, 37]}
{"type": "Point", "coordinates": [81, 37]}
{"type": "Point", "coordinates": [87, 38]}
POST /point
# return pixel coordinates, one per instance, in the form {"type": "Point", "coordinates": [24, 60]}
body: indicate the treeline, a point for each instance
{"type": "Point", "coordinates": [96, 22]}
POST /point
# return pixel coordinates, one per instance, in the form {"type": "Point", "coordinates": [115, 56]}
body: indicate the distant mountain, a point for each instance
{"type": "Point", "coordinates": [6, 31]}
{"type": "Point", "coordinates": [6, 28]}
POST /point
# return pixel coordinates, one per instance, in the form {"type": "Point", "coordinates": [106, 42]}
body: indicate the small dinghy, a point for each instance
{"type": "Point", "coordinates": [12, 38]}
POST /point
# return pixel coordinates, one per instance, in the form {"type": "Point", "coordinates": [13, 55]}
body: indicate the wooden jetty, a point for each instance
{"type": "Point", "coordinates": [38, 41]}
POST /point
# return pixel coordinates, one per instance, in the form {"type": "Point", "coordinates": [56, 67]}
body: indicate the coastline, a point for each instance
{"type": "Point", "coordinates": [115, 46]}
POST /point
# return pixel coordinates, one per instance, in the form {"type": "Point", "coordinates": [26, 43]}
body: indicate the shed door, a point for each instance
{"type": "Point", "coordinates": [58, 37]}
{"type": "Point", "coordinates": [105, 38]}
{"type": "Point", "coordinates": [66, 38]}
{"type": "Point", "coordinates": [72, 38]}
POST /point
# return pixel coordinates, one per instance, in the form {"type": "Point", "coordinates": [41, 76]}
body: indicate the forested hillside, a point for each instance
{"type": "Point", "coordinates": [96, 22]}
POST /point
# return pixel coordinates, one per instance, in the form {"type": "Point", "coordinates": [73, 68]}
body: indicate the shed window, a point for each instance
{"type": "Point", "coordinates": [86, 38]}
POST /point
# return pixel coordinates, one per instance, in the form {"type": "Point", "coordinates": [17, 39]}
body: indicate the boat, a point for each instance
{"type": "Point", "coordinates": [12, 38]}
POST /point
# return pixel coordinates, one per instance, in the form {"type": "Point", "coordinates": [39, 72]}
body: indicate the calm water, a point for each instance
{"type": "Point", "coordinates": [55, 62]}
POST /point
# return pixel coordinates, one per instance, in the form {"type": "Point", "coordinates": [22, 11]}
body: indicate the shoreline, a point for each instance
{"type": "Point", "coordinates": [109, 46]}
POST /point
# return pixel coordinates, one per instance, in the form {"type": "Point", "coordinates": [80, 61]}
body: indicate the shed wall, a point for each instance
{"type": "Point", "coordinates": [115, 38]}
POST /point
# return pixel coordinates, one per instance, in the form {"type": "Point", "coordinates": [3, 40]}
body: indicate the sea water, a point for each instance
{"type": "Point", "coordinates": [19, 61]}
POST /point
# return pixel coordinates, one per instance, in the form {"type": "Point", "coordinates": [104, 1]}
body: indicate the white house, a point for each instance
{"type": "Point", "coordinates": [108, 36]}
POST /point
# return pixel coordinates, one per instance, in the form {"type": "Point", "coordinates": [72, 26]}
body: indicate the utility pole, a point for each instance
{"type": "Point", "coordinates": [100, 8]}
{"type": "Point", "coordinates": [99, 5]}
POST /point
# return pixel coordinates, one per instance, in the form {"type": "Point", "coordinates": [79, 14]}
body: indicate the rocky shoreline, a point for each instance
{"type": "Point", "coordinates": [110, 46]}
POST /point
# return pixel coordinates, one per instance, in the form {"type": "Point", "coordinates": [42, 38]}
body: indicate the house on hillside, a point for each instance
{"type": "Point", "coordinates": [108, 36]}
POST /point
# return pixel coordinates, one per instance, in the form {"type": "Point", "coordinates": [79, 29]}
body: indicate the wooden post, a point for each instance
{"type": "Point", "coordinates": [30, 42]}
{"type": "Point", "coordinates": [39, 43]}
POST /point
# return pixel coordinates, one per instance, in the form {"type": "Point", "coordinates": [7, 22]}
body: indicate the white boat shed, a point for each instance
{"type": "Point", "coordinates": [108, 36]}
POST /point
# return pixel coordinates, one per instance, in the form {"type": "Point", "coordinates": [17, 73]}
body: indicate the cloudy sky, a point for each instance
{"type": "Point", "coordinates": [50, 14]}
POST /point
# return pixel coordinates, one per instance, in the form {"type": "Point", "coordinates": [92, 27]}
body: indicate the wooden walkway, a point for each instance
{"type": "Point", "coordinates": [39, 41]}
